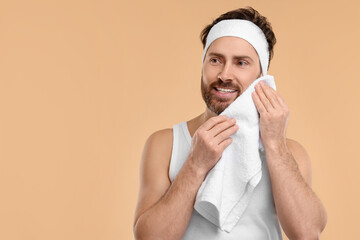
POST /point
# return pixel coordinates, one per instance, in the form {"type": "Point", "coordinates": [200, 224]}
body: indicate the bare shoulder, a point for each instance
{"type": "Point", "coordinates": [157, 152]}
{"type": "Point", "coordinates": [302, 159]}
{"type": "Point", "coordinates": [154, 177]}
{"type": "Point", "coordinates": [161, 136]}
{"type": "Point", "coordinates": [158, 146]}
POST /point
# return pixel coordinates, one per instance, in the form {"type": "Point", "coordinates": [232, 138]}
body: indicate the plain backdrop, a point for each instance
{"type": "Point", "coordinates": [84, 83]}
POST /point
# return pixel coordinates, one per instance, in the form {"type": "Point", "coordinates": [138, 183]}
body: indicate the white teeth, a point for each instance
{"type": "Point", "coordinates": [225, 90]}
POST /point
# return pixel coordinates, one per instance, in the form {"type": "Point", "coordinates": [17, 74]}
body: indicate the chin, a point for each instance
{"type": "Point", "coordinates": [218, 108]}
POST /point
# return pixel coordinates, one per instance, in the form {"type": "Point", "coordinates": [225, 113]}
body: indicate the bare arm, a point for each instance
{"type": "Point", "coordinates": [164, 209]}
{"type": "Point", "coordinates": [164, 213]}
{"type": "Point", "coordinates": [300, 212]}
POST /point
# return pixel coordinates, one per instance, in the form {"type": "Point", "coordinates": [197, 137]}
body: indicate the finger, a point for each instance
{"type": "Point", "coordinates": [259, 105]}
{"type": "Point", "coordinates": [263, 98]}
{"type": "Point", "coordinates": [210, 123]}
{"type": "Point", "coordinates": [270, 93]}
{"type": "Point", "coordinates": [220, 127]}
{"type": "Point", "coordinates": [280, 103]}
{"type": "Point", "coordinates": [280, 100]}
{"type": "Point", "coordinates": [224, 144]}
{"type": "Point", "coordinates": [226, 133]}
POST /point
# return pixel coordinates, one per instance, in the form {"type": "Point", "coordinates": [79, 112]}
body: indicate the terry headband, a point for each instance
{"type": "Point", "coordinates": [242, 29]}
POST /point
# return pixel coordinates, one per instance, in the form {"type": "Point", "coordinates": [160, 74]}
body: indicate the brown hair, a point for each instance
{"type": "Point", "coordinates": [249, 14]}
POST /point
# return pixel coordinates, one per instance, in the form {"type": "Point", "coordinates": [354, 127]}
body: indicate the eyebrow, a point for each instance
{"type": "Point", "coordinates": [234, 57]}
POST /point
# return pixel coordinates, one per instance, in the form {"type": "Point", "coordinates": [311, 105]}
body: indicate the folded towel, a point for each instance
{"type": "Point", "coordinates": [228, 186]}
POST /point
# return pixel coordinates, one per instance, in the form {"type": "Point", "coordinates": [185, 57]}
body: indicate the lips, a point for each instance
{"type": "Point", "coordinates": [225, 94]}
{"type": "Point", "coordinates": [225, 90]}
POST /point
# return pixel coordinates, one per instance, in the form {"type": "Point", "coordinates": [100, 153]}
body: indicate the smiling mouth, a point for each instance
{"type": "Point", "coordinates": [225, 90]}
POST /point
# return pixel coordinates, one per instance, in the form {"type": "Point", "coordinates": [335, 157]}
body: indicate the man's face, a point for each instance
{"type": "Point", "coordinates": [237, 64]}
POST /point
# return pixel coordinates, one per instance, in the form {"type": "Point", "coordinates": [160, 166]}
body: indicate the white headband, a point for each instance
{"type": "Point", "coordinates": [243, 29]}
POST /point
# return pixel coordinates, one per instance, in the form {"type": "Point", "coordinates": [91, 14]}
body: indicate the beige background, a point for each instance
{"type": "Point", "coordinates": [84, 83]}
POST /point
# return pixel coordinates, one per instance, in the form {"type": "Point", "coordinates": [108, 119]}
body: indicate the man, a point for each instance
{"type": "Point", "coordinates": [169, 185]}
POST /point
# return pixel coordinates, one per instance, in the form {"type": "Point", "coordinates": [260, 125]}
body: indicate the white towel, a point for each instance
{"type": "Point", "coordinates": [228, 186]}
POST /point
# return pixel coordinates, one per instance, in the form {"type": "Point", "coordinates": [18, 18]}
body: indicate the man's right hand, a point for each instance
{"type": "Point", "coordinates": [209, 142]}
{"type": "Point", "coordinates": [164, 209]}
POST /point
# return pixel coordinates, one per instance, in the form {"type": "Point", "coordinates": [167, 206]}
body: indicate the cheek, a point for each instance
{"type": "Point", "coordinates": [246, 77]}
{"type": "Point", "coordinates": [257, 70]}
{"type": "Point", "coordinates": [210, 73]}
{"type": "Point", "coordinates": [252, 74]}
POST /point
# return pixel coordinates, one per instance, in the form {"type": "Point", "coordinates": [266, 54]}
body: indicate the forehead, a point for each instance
{"type": "Point", "coordinates": [229, 46]}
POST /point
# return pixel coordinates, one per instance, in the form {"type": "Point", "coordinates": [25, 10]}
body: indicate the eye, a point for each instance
{"type": "Point", "coordinates": [214, 60]}
{"type": "Point", "coordinates": [242, 63]}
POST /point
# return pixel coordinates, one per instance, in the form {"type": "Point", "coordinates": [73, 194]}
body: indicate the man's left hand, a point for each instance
{"type": "Point", "coordinates": [274, 115]}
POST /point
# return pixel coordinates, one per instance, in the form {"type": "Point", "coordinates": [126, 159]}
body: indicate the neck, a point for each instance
{"type": "Point", "coordinates": [207, 115]}
{"type": "Point", "coordinates": [196, 122]}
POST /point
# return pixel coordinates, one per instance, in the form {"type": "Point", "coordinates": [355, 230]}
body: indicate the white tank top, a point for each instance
{"type": "Point", "coordinates": [259, 221]}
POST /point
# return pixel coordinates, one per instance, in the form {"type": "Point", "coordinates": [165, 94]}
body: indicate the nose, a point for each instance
{"type": "Point", "coordinates": [226, 73]}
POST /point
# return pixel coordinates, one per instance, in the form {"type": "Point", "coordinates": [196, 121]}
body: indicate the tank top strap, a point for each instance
{"type": "Point", "coordinates": [180, 148]}
{"type": "Point", "coordinates": [186, 132]}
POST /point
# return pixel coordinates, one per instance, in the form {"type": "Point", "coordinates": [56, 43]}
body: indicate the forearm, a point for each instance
{"type": "Point", "coordinates": [300, 212]}
{"type": "Point", "coordinates": [169, 217]}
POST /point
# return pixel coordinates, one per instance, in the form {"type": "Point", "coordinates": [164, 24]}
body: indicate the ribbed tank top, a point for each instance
{"type": "Point", "coordinates": [258, 222]}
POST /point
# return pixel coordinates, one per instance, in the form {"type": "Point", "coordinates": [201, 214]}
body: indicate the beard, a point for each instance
{"type": "Point", "coordinates": [215, 104]}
